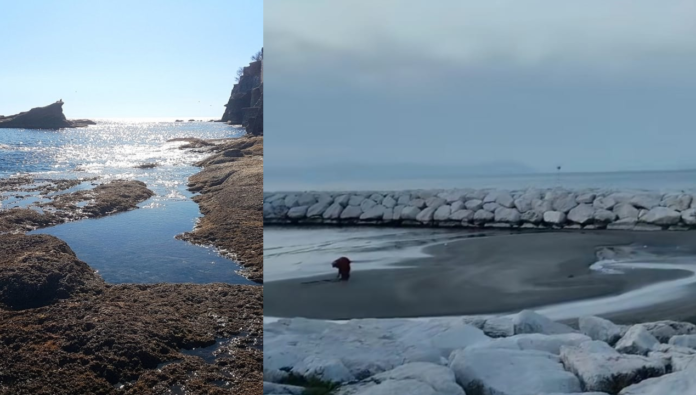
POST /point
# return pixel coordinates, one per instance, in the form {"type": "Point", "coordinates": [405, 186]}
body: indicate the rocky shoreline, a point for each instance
{"type": "Point", "coordinates": [520, 354]}
{"type": "Point", "coordinates": [231, 188]}
{"type": "Point", "coordinates": [486, 208]}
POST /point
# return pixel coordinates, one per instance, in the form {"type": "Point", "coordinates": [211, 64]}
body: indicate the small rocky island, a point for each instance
{"type": "Point", "coordinates": [48, 117]}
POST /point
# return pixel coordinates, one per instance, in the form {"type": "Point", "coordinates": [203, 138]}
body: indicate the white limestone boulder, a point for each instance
{"type": "Point", "coordinates": [678, 202]}
{"type": "Point", "coordinates": [418, 203]}
{"type": "Point", "coordinates": [600, 329]}
{"type": "Point", "coordinates": [524, 203]}
{"type": "Point", "coordinates": [689, 216]}
{"type": "Point", "coordinates": [367, 204]}
{"type": "Point", "coordinates": [374, 213]}
{"type": "Point", "coordinates": [542, 206]}
{"type": "Point", "coordinates": [403, 200]}
{"type": "Point", "coordinates": [306, 199]}
{"type": "Point", "coordinates": [323, 368]}
{"type": "Point", "coordinates": [291, 201]}
{"type": "Point", "coordinates": [389, 202]}
{"type": "Point", "coordinates": [675, 357]}
{"type": "Point", "coordinates": [343, 200]}
{"type": "Point", "coordinates": [665, 330]}
{"type": "Point", "coordinates": [417, 378]}
{"type": "Point", "coordinates": [626, 210]}
{"type": "Point", "coordinates": [637, 340]}
{"type": "Point", "coordinates": [388, 214]}
{"type": "Point", "coordinates": [532, 217]}
{"type": "Point", "coordinates": [505, 199]}
{"type": "Point", "coordinates": [679, 383]}
{"type": "Point", "coordinates": [458, 205]}
{"type": "Point", "coordinates": [661, 216]}
{"type": "Point", "coordinates": [491, 206]}
{"type": "Point", "coordinates": [565, 202]}
{"type": "Point", "coordinates": [377, 198]}
{"type": "Point", "coordinates": [317, 210]}
{"type": "Point", "coordinates": [507, 215]}
{"type": "Point", "coordinates": [483, 216]}
{"type": "Point", "coordinates": [410, 213]}
{"type": "Point", "coordinates": [604, 203]}
{"type": "Point", "coordinates": [603, 369]}
{"type": "Point", "coordinates": [586, 198]}
{"type": "Point", "coordinates": [297, 212]}
{"type": "Point", "coordinates": [426, 216]}
{"type": "Point", "coordinates": [511, 372]}
{"type": "Point", "coordinates": [351, 212]}
{"type": "Point", "coordinates": [499, 326]}
{"type": "Point", "coordinates": [396, 215]}
{"type": "Point", "coordinates": [621, 197]}
{"type": "Point", "coordinates": [582, 214]}
{"type": "Point", "coordinates": [528, 321]}
{"type": "Point", "coordinates": [462, 215]}
{"type": "Point", "coordinates": [646, 201]}
{"type": "Point", "coordinates": [474, 204]}
{"type": "Point", "coordinates": [442, 213]}
{"type": "Point", "coordinates": [333, 211]}
{"type": "Point", "coordinates": [688, 341]}
{"type": "Point", "coordinates": [603, 216]}
{"type": "Point", "coordinates": [356, 200]}
{"type": "Point", "coordinates": [435, 202]}
{"type": "Point", "coordinates": [554, 217]}
{"type": "Point", "coordinates": [535, 341]}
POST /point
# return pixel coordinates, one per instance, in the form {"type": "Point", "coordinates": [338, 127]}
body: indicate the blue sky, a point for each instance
{"type": "Point", "coordinates": [592, 85]}
{"type": "Point", "coordinates": [125, 58]}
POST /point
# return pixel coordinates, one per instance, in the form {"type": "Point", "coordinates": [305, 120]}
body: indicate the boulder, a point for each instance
{"type": "Point", "coordinates": [689, 216]}
{"type": "Point", "coordinates": [621, 197]}
{"type": "Point", "coordinates": [389, 202]}
{"type": "Point", "coordinates": [564, 202]}
{"type": "Point", "coordinates": [600, 329]}
{"type": "Point", "coordinates": [403, 200]}
{"type": "Point", "coordinates": [356, 200]}
{"type": "Point", "coordinates": [306, 199]}
{"type": "Point", "coordinates": [601, 368]}
{"type": "Point", "coordinates": [586, 198]}
{"type": "Point", "coordinates": [507, 215]}
{"type": "Point", "coordinates": [275, 197]}
{"type": "Point", "coordinates": [458, 205]}
{"type": "Point", "coordinates": [291, 201]}
{"type": "Point", "coordinates": [442, 213]}
{"type": "Point", "coordinates": [317, 209]}
{"type": "Point", "coordinates": [416, 378]}
{"type": "Point", "coordinates": [396, 215]}
{"type": "Point", "coordinates": [343, 200]}
{"type": "Point", "coordinates": [367, 204]}
{"type": "Point", "coordinates": [623, 224]}
{"type": "Point", "coordinates": [418, 203]}
{"type": "Point", "coordinates": [536, 342]}
{"type": "Point", "coordinates": [351, 212]}
{"type": "Point", "coordinates": [646, 201]}
{"type": "Point", "coordinates": [682, 383]}
{"type": "Point", "coordinates": [637, 340]}
{"type": "Point", "coordinates": [474, 204]}
{"type": "Point", "coordinates": [661, 216]}
{"type": "Point", "coordinates": [491, 207]}
{"type": "Point", "coordinates": [604, 216]}
{"type": "Point", "coordinates": [524, 203]}
{"type": "Point", "coordinates": [688, 341]}
{"type": "Point", "coordinates": [483, 216]}
{"type": "Point", "coordinates": [410, 213]}
{"type": "Point", "coordinates": [333, 211]}
{"type": "Point", "coordinates": [298, 212]}
{"type": "Point", "coordinates": [322, 368]}
{"type": "Point", "coordinates": [527, 321]}
{"type": "Point", "coordinates": [374, 213]}
{"type": "Point", "coordinates": [511, 372]}
{"type": "Point", "coordinates": [532, 217]}
{"type": "Point", "coordinates": [504, 199]}
{"type": "Point", "coordinates": [664, 330]}
{"type": "Point", "coordinates": [478, 194]}
{"type": "Point", "coordinates": [542, 206]}
{"type": "Point", "coordinates": [498, 327]}
{"type": "Point", "coordinates": [604, 203]}
{"type": "Point", "coordinates": [625, 210]}
{"type": "Point", "coordinates": [426, 216]}
{"type": "Point", "coordinates": [582, 214]}
{"type": "Point", "coordinates": [435, 202]}
{"type": "Point", "coordinates": [377, 198]}
{"type": "Point", "coordinates": [676, 358]}
{"type": "Point", "coordinates": [462, 215]}
{"type": "Point", "coordinates": [281, 389]}
{"type": "Point", "coordinates": [678, 202]}
{"type": "Point", "coordinates": [554, 217]}
{"type": "Point", "coordinates": [388, 214]}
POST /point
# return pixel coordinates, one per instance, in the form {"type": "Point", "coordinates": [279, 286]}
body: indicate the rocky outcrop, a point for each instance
{"type": "Point", "coordinates": [525, 209]}
{"type": "Point", "coordinates": [49, 117]}
{"type": "Point", "coordinates": [245, 106]}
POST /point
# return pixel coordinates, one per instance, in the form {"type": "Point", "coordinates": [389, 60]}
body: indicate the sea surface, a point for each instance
{"type": "Point", "coordinates": [137, 246]}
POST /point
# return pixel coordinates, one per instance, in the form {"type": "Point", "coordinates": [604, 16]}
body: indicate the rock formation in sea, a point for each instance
{"type": "Point", "coordinates": [245, 106]}
{"type": "Point", "coordinates": [48, 117]}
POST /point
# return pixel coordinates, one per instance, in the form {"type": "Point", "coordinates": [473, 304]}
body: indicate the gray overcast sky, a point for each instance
{"type": "Point", "coordinates": [594, 85]}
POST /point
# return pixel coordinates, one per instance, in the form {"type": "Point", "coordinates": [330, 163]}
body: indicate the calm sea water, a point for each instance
{"type": "Point", "coordinates": [137, 246]}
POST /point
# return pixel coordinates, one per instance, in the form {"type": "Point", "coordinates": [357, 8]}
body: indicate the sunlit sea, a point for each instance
{"type": "Point", "coordinates": [137, 246]}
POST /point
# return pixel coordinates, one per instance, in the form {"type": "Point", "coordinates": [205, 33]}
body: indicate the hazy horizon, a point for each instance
{"type": "Point", "coordinates": [592, 87]}
{"type": "Point", "coordinates": [128, 59]}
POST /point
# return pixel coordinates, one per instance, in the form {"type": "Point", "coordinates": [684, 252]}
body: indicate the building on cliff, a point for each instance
{"type": "Point", "coordinates": [245, 106]}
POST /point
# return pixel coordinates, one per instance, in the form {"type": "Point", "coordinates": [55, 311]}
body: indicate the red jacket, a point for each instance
{"type": "Point", "coordinates": [343, 265]}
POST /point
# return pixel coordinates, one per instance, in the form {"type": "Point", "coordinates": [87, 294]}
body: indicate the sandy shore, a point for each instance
{"type": "Point", "coordinates": [496, 274]}
{"type": "Point", "coordinates": [231, 192]}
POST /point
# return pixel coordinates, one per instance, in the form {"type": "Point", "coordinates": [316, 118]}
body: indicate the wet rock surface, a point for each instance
{"type": "Point", "coordinates": [231, 192]}
{"type": "Point", "coordinates": [93, 338]}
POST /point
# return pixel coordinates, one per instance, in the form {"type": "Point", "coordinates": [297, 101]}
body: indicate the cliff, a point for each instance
{"type": "Point", "coordinates": [245, 106]}
{"type": "Point", "coordinates": [48, 117]}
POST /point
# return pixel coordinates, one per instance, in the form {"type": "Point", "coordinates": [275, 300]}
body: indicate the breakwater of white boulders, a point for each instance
{"type": "Point", "coordinates": [531, 208]}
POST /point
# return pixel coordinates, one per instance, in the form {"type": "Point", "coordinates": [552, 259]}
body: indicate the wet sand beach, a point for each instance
{"type": "Point", "coordinates": [496, 274]}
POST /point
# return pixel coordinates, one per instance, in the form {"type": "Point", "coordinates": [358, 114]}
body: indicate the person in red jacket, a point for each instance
{"type": "Point", "coordinates": [343, 266]}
